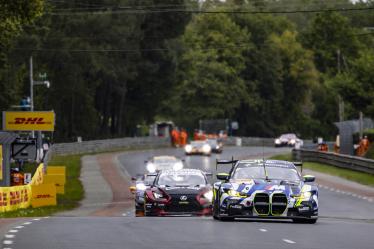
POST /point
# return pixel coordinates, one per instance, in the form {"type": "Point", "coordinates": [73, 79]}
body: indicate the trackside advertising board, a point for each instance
{"type": "Point", "coordinates": [29, 121]}
{"type": "Point", "coordinates": [1, 162]}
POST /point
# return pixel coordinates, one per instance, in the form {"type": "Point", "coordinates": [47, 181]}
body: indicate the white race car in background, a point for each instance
{"type": "Point", "coordinates": [157, 163]}
{"type": "Point", "coordinates": [198, 148]}
{"type": "Point", "coordinates": [289, 139]}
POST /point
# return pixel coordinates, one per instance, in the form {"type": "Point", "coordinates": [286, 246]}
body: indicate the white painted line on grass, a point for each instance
{"type": "Point", "coordinates": [13, 231]}
{"type": "Point", "coordinates": [263, 230]}
{"type": "Point", "coordinates": [9, 236]}
{"type": "Point", "coordinates": [7, 242]}
{"type": "Point", "coordinates": [289, 241]}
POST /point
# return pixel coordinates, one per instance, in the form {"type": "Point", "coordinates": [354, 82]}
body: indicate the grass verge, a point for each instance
{"type": "Point", "coordinates": [73, 190]}
{"type": "Point", "coordinates": [355, 176]}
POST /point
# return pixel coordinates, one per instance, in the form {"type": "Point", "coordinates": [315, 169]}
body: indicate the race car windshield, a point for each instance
{"type": "Point", "coordinates": [164, 160]}
{"type": "Point", "coordinates": [181, 180]}
{"type": "Point", "coordinates": [212, 142]}
{"type": "Point", "coordinates": [288, 136]}
{"type": "Point", "coordinates": [252, 172]}
{"type": "Point", "coordinates": [247, 171]}
{"type": "Point", "coordinates": [148, 180]}
{"type": "Point", "coordinates": [279, 173]}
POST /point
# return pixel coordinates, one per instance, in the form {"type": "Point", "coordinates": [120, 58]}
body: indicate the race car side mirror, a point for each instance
{"type": "Point", "coordinates": [309, 178]}
{"type": "Point", "coordinates": [223, 176]}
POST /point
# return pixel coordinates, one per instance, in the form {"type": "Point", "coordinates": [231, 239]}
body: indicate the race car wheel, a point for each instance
{"type": "Point", "coordinates": [305, 221]}
{"type": "Point", "coordinates": [139, 213]}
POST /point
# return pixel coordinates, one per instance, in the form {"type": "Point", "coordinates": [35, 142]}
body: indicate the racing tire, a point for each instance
{"type": "Point", "coordinates": [305, 221]}
{"type": "Point", "coordinates": [139, 213]}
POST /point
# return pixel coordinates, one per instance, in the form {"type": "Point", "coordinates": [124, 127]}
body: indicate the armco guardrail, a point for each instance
{"type": "Point", "coordinates": [107, 145]}
{"type": "Point", "coordinates": [338, 160]}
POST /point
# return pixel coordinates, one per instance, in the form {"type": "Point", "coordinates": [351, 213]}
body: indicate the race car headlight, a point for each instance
{"type": "Point", "coordinates": [208, 195]}
{"type": "Point", "coordinates": [305, 196]}
{"type": "Point", "coordinates": [277, 141]}
{"type": "Point", "coordinates": [157, 195]}
{"type": "Point", "coordinates": [178, 166]}
{"type": "Point", "coordinates": [188, 148]}
{"type": "Point", "coordinates": [141, 186]}
{"type": "Point", "coordinates": [206, 148]}
{"type": "Point", "coordinates": [151, 168]}
{"type": "Point", "coordinates": [232, 192]}
{"type": "Point", "coordinates": [292, 141]}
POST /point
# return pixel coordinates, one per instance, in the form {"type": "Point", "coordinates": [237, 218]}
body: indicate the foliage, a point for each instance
{"type": "Point", "coordinates": [111, 70]}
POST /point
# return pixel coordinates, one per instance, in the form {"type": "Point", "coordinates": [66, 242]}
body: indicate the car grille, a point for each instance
{"type": "Point", "coordinates": [175, 206]}
{"type": "Point", "coordinates": [278, 204]}
{"type": "Point", "coordinates": [261, 203]}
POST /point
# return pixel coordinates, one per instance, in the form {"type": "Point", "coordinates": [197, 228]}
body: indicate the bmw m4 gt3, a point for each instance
{"type": "Point", "coordinates": [182, 192]}
{"type": "Point", "coordinates": [265, 189]}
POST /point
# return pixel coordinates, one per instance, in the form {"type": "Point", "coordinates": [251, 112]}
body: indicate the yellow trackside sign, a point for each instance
{"type": "Point", "coordinates": [29, 121]}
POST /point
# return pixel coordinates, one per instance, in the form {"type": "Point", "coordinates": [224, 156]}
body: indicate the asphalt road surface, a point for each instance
{"type": "Point", "coordinates": [346, 222]}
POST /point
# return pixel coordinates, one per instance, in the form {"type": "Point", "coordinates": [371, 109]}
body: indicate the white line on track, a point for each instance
{"type": "Point", "coordinates": [263, 230]}
{"type": "Point", "coordinates": [9, 236]}
{"type": "Point", "coordinates": [13, 231]}
{"type": "Point", "coordinates": [36, 219]}
{"type": "Point", "coordinates": [27, 223]}
{"type": "Point", "coordinates": [7, 242]}
{"type": "Point", "coordinates": [289, 241]}
{"type": "Point", "coordinates": [124, 214]}
{"type": "Point", "coordinates": [19, 227]}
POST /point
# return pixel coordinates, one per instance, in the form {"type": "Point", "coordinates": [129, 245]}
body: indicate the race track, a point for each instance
{"type": "Point", "coordinates": [346, 221]}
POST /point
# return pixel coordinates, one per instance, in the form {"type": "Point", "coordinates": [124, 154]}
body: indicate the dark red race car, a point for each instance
{"type": "Point", "coordinates": [181, 192]}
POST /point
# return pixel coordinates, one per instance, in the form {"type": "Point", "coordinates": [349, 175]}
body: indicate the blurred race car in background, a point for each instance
{"type": "Point", "coordinates": [198, 148]}
{"type": "Point", "coordinates": [289, 139]}
{"type": "Point", "coordinates": [157, 163]}
{"type": "Point", "coordinates": [265, 189]}
{"type": "Point", "coordinates": [142, 182]}
{"type": "Point", "coordinates": [216, 145]}
{"type": "Point", "coordinates": [181, 192]}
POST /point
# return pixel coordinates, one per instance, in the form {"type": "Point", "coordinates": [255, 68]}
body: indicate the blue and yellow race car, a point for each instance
{"type": "Point", "coordinates": [265, 189]}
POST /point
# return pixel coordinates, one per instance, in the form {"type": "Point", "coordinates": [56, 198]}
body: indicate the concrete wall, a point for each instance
{"type": "Point", "coordinates": [250, 141]}
{"type": "Point", "coordinates": [95, 146]}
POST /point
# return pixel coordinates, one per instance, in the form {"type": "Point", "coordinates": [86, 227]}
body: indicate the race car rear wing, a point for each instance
{"type": "Point", "coordinates": [225, 162]}
{"type": "Point", "coordinates": [299, 164]}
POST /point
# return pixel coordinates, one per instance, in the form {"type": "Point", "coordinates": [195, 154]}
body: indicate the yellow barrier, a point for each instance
{"type": "Point", "coordinates": [56, 175]}
{"type": "Point", "coordinates": [43, 195]}
{"type": "Point", "coordinates": [56, 170]}
{"type": "Point", "coordinates": [40, 192]}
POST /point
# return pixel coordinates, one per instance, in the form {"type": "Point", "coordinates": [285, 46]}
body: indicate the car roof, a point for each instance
{"type": "Point", "coordinates": [164, 158]}
{"type": "Point", "coordinates": [268, 163]}
{"type": "Point", "coordinates": [181, 171]}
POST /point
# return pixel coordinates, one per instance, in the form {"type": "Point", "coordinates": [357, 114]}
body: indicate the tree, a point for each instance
{"type": "Point", "coordinates": [210, 67]}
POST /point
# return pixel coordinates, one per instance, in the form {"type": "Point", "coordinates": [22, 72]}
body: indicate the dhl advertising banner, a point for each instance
{"type": "Point", "coordinates": [28, 121]}
{"type": "Point", "coordinates": [35, 194]}
{"type": "Point", "coordinates": [13, 198]}
{"type": "Point", "coordinates": [1, 162]}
